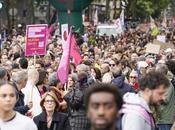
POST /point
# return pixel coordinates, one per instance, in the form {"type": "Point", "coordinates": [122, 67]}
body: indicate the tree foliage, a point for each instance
{"type": "Point", "coordinates": [144, 8]}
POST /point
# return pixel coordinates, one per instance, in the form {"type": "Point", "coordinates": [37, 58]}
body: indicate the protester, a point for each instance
{"type": "Point", "coordinates": [23, 63]}
{"type": "Point", "coordinates": [101, 56]}
{"type": "Point", "coordinates": [3, 74]}
{"type": "Point", "coordinates": [10, 119]}
{"type": "Point", "coordinates": [19, 80]}
{"type": "Point", "coordinates": [137, 114]}
{"type": "Point", "coordinates": [62, 102]}
{"type": "Point", "coordinates": [102, 112]}
{"type": "Point", "coordinates": [42, 82]}
{"type": "Point", "coordinates": [72, 80]}
{"type": "Point", "coordinates": [106, 74]}
{"type": "Point", "coordinates": [167, 108]}
{"type": "Point", "coordinates": [53, 81]}
{"type": "Point", "coordinates": [119, 81]}
{"type": "Point", "coordinates": [133, 80]}
{"type": "Point", "coordinates": [31, 92]}
{"type": "Point", "coordinates": [76, 108]}
{"type": "Point", "coordinates": [50, 118]}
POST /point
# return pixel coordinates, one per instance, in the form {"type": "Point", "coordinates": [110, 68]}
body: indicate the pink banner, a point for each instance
{"type": "Point", "coordinates": [36, 39]}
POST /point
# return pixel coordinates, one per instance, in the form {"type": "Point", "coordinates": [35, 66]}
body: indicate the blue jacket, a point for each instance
{"type": "Point", "coordinates": [122, 86]}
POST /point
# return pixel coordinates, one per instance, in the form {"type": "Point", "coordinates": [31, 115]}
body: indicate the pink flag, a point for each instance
{"type": "Point", "coordinates": [63, 69]}
{"type": "Point", "coordinates": [75, 51]}
{"type": "Point", "coordinates": [50, 30]}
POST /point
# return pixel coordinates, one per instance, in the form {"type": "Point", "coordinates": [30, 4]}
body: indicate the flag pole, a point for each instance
{"type": "Point", "coordinates": [31, 96]}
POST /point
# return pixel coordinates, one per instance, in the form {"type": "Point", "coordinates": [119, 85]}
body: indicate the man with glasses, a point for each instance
{"type": "Point", "coordinates": [112, 65]}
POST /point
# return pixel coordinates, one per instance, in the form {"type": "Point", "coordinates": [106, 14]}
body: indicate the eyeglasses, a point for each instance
{"type": "Point", "coordinates": [133, 77]}
{"type": "Point", "coordinates": [112, 65]}
{"type": "Point", "coordinates": [49, 101]}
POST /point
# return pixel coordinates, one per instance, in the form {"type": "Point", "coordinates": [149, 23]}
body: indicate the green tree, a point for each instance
{"type": "Point", "coordinates": [144, 8]}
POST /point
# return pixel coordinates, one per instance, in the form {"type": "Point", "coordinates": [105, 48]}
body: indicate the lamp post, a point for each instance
{"type": "Point", "coordinates": [1, 8]}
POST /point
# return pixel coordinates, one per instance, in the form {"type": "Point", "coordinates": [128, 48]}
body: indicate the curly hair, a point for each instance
{"type": "Point", "coordinates": [153, 80]}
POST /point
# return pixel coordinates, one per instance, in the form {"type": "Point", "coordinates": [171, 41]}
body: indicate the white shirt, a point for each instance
{"type": "Point", "coordinates": [36, 98]}
{"type": "Point", "coordinates": [19, 122]}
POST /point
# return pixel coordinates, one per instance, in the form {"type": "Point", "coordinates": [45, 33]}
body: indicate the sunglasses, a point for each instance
{"type": "Point", "coordinates": [133, 77]}
{"type": "Point", "coordinates": [112, 65]}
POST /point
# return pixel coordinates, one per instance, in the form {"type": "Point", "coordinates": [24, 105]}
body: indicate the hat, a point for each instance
{"type": "Point", "coordinates": [142, 64]}
{"type": "Point", "coordinates": [133, 73]}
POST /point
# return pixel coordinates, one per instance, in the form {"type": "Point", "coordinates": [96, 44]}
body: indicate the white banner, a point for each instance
{"type": "Point", "coordinates": [64, 32]}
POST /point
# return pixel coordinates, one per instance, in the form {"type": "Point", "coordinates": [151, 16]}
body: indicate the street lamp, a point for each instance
{"type": "Point", "coordinates": [1, 5]}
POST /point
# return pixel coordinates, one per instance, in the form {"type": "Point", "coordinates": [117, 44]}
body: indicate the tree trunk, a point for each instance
{"type": "Point", "coordinates": [115, 9]}
{"type": "Point", "coordinates": [32, 12]}
{"type": "Point", "coordinates": [107, 10]}
{"type": "Point", "coordinates": [7, 15]}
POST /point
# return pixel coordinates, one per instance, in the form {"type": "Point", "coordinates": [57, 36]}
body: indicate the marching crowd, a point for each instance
{"type": "Point", "coordinates": [117, 86]}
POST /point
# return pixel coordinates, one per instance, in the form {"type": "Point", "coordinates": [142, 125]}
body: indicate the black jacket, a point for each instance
{"type": "Point", "coordinates": [59, 121]}
{"type": "Point", "coordinates": [76, 107]}
{"type": "Point", "coordinates": [19, 106]}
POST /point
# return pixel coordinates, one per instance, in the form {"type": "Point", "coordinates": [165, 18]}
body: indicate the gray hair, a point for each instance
{"type": "Point", "coordinates": [53, 80]}
{"type": "Point", "coordinates": [82, 68]}
{"type": "Point", "coordinates": [19, 76]}
{"type": "Point", "coordinates": [162, 68]}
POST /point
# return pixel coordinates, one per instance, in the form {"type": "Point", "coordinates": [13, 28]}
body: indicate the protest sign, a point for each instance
{"type": "Point", "coordinates": [36, 39]}
{"type": "Point", "coordinates": [161, 38]}
{"type": "Point", "coordinates": [143, 27]}
{"type": "Point", "coordinates": [163, 46]}
{"type": "Point", "coordinates": [152, 48]}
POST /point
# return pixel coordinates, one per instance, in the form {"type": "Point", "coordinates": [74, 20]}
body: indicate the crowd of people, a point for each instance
{"type": "Point", "coordinates": [117, 85]}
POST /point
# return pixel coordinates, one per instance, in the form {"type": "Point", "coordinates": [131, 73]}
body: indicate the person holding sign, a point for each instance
{"type": "Point", "coordinates": [31, 92]}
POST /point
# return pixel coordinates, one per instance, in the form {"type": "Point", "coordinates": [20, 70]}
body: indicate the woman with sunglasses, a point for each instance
{"type": "Point", "coordinates": [50, 118]}
{"type": "Point", "coordinates": [133, 80]}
